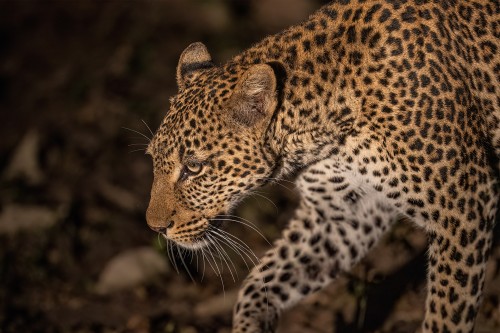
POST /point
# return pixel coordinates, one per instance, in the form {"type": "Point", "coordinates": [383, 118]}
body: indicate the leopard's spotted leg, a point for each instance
{"type": "Point", "coordinates": [340, 218]}
{"type": "Point", "coordinates": [458, 251]}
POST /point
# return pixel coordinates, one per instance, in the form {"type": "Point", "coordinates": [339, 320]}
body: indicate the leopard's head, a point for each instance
{"type": "Point", "coordinates": [210, 149]}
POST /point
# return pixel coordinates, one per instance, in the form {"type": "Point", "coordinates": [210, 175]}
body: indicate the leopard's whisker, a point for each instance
{"type": "Point", "coordinates": [221, 242]}
{"type": "Point", "coordinates": [219, 271]}
{"type": "Point", "coordinates": [192, 257]}
{"type": "Point", "coordinates": [241, 218]}
{"type": "Point", "coordinates": [203, 261]}
{"type": "Point", "coordinates": [210, 252]}
{"type": "Point", "coordinates": [150, 131]}
{"type": "Point", "coordinates": [136, 150]}
{"type": "Point", "coordinates": [252, 195]}
{"type": "Point", "coordinates": [172, 255]}
{"type": "Point", "coordinates": [260, 194]}
{"type": "Point", "coordinates": [239, 244]}
{"type": "Point", "coordinates": [159, 241]}
{"type": "Point", "coordinates": [284, 180]}
{"type": "Point", "coordinates": [233, 247]}
{"type": "Point", "coordinates": [277, 181]}
{"type": "Point", "coordinates": [137, 138]}
{"type": "Point", "coordinates": [245, 223]}
{"type": "Point", "coordinates": [219, 239]}
{"type": "Point", "coordinates": [137, 132]}
{"type": "Point", "coordinates": [232, 237]}
{"type": "Point", "coordinates": [242, 245]}
{"type": "Point", "coordinates": [224, 256]}
{"type": "Point", "coordinates": [217, 254]}
{"type": "Point", "coordinates": [137, 144]}
{"type": "Point", "coordinates": [195, 252]}
{"type": "Point", "coordinates": [205, 252]}
{"type": "Point", "coordinates": [184, 264]}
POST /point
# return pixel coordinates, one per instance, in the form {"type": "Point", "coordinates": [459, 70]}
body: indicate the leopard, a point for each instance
{"type": "Point", "coordinates": [382, 110]}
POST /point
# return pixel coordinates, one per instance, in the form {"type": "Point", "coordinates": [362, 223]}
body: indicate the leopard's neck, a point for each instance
{"type": "Point", "coordinates": [313, 115]}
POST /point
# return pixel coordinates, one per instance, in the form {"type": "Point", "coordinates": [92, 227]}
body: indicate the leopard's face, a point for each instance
{"type": "Point", "coordinates": [205, 156]}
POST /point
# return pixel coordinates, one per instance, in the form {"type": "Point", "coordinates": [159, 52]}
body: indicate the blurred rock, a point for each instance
{"type": "Point", "coordinates": [218, 305]}
{"type": "Point", "coordinates": [493, 269]}
{"type": "Point", "coordinates": [138, 324]}
{"type": "Point", "coordinates": [15, 218]}
{"type": "Point", "coordinates": [131, 268]}
{"type": "Point", "coordinates": [24, 163]}
{"type": "Point", "coordinates": [224, 330]}
{"type": "Point", "coordinates": [188, 329]}
{"type": "Point", "coordinates": [408, 313]}
{"type": "Point", "coordinates": [119, 197]}
{"type": "Point", "coordinates": [396, 249]}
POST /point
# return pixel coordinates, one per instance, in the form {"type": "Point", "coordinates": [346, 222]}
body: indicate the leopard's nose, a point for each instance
{"type": "Point", "coordinates": [158, 221]}
{"type": "Point", "coordinates": [162, 229]}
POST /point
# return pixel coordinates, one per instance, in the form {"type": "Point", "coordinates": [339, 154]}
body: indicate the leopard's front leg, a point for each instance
{"type": "Point", "coordinates": [333, 228]}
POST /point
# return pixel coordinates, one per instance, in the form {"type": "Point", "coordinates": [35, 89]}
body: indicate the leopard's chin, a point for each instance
{"type": "Point", "coordinates": [204, 238]}
{"type": "Point", "coordinates": [197, 244]}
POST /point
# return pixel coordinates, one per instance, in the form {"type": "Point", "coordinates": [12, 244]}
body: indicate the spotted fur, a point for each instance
{"type": "Point", "coordinates": [385, 109]}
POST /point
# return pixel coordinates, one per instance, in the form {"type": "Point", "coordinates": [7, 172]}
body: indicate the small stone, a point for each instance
{"type": "Point", "coordinates": [24, 163]}
{"type": "Point", "coordinates": [218, 305]}
{"type": "Point", "coordinates": [119, 197]}
{"type": "Point", "coordinates": [130, 269]}
{"type": "Point", "coordinates": [15, 218]}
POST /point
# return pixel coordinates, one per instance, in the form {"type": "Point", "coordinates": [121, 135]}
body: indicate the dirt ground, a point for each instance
{"type": "Point", "coordinates": [80, 83]}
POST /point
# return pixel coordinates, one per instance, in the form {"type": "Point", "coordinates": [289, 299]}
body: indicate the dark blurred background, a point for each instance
{"type": "Point", "coordinates": [80, 83]}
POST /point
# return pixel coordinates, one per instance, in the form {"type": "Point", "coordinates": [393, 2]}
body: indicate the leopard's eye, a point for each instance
{"type": "Point", "coordinates": [191, 168]}
{"type": "Point", "coordinates": [194, 167]}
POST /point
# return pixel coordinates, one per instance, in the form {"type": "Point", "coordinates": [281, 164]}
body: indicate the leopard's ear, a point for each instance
{"type": "Point", "coordinates": [194, 58]}
{"type": "Point", "coordinates": [254, 99]}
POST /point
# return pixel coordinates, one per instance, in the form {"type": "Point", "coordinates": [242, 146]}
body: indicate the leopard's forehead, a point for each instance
{"type": "Point", "coordinates": [194, 118]}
